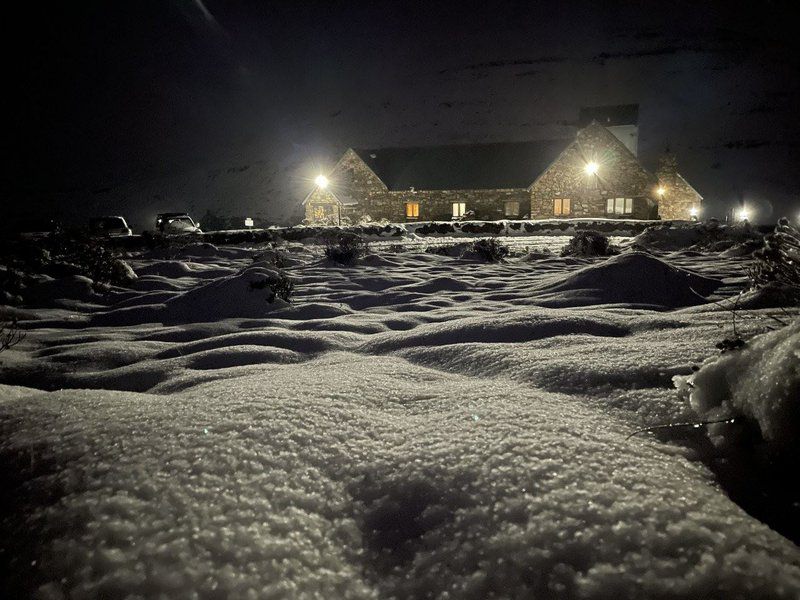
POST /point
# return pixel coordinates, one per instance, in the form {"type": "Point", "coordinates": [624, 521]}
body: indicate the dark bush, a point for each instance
{"type": "Point", "coordinates": [10, 334]}
{"type": "Point", "coordinates": [777, 264]}
{"type": "Point", "coordinates": [278, 286]}
{"type": "Point", "coordinates": [588, 243]}
{"type": "Point", "coordinates": [345, 248]}
{"type": "Point", "coordinates": [77, 249]}
{"type": "Point", "coordinates": [490, 249]}
{"type": "Point", "coordinates": [487, 227]}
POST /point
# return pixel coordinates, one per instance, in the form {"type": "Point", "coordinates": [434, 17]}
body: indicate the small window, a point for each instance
{"type": "Point", "coordinates": [619, 206]}
{"type": "Point", "coordinates": [512, 208]}
{"type": "Point", "coordinates": [319, 212]}
{"type": "Point", "coordinates": [459, 208]}
{"type": "Point", "coordinates": [562, 206]}
{"type": "Point", "coordinates": [412, 210]}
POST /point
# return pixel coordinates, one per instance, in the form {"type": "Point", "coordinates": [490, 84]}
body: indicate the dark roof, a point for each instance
{"type": "Point", "coordinates": [463, 167]}
{"type": "Point", "coordinates": [608, 116]}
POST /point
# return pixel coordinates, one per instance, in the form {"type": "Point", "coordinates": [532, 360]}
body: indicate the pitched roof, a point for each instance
{"type": "Point", "coordinates": [609, 116]}
{"type": "Point", "coordinates": [463, 167]}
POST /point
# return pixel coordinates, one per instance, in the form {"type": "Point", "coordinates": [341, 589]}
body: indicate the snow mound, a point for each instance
{"type": "Point", "coordinates": [201, 250]}
{"type": "Point", "coordinates": [760, 381]}
{"type": "Point", "coordinates": [54, 291]}
{"type": "Point", "coordinates": [630, 278]}
{"type": "Point", "coordinates": [310, 481]}
{"type": "Point", "coordinates": [227, 297]}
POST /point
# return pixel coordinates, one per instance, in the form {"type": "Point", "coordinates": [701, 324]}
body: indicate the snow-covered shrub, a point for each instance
{"type": "Point", "coordinates": [759, 381]}
{"type": "Point", "coordinates": [777, 264]}
{"type": "Point", "coordinates": [490, 249]}
{"type": "Point", "coordinates": [345, 248]}
{"type": "Point", "coordinates": [278, 286]}
{"type": "Point", "coordinates": [588, 243]}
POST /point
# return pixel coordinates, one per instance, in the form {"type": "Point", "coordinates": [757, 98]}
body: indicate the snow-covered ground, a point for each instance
{"type": "Point", "coordinates": [414, 426]}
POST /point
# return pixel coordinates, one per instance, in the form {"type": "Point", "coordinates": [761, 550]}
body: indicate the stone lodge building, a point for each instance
{"type": "Point", "coordinates": [596, 174]}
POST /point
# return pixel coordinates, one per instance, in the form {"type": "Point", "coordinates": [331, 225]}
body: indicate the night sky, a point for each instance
{"type": "Point", "coordinates": [141, 107]}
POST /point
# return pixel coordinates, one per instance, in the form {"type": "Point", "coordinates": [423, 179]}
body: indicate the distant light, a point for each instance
{"type": "Point", "coordinates": [661, 191]}
{"type": "Point", "coordinates": [744, 214]}
{"type": "Point", "coordinates": [248, 222]}
{"type": "Point", "coordinates": [591, 168]}
{"type": "Point", "coordinates": [321, 181]}
{"type": "Point", "coordinates": [693, 211]}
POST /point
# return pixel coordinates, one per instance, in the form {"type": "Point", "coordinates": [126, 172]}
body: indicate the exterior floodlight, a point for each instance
{"type": "Point", "coordinates": [693, 211]}
{"type": "Point", "coordinates": [743, 215]}
{"type": "Point", "coordinates": [591, 168]}
{"type": "Point", "coordinates": [321, 181]}
{"type": "Point", "coordinates": [661, 191]}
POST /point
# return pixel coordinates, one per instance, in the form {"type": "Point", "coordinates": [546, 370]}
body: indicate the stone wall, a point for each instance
{"type": "Point", "coordinates": [437, 205]}
{"type": "Point", "coordinates": [619, 175]}
{"type": "Point", "coordinates": [322, 207]}
{"type": "Point", "coordinates": [677, 198]}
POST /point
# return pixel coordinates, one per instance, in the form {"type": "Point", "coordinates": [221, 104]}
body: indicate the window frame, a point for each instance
{"type": "Point", "coordinates": [459, 206]}
{"type": "Point", "coordinates": [619, 206]}
{"type": "Point", "coordinates": [562, 207]}
{"type": "Point", "coordinates": [412, 210]}
{"type": "Point", "coordinates": [514, 213]}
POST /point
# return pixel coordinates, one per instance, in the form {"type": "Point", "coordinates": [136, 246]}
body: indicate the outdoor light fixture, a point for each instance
{"type": "Point", "coordinates": [693, 211]}
{"type": "Point", "coordinates": [591, 168]}
{"type": "Point", "coordinates": [248, 222]}
{"type": "Point", "coordinates": [743, 214]}
{"type": "Point", "coordinates": [321, 181]}
{"type": "Point", "coordinates": [661, 191]}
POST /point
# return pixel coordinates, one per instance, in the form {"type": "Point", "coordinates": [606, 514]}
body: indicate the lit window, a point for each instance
{"type": "Point", "coordinates": [619, 206]}
{"type": "Point", "coordinates": [412, 210]}
{"type": "Point", "coordinates": [319, 212]}
{"type": "Point", "coordinates": [459, 208]}
{"type": "Point", "coordinates": [562, 206]}
{"type": "Point", "coordinates": [512, 208]}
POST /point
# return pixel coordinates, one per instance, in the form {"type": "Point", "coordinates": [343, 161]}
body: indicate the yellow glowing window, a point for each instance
{"type": "Point", "coordinates": [619, 206]}
{"type": "Point", "coordinates": [562, 206]}
{"type": "Point", "coordinates": [459, 208]}
{"type": "Point", "coordinates": [412, 210]}
{"type": "Point", "coordinates": [319, 212]}
{"type": "Point", "coordinates": [512, 208]}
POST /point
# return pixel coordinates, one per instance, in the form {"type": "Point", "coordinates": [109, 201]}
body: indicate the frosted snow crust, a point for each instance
{"type": "Point", "coordinates": [413, 426]}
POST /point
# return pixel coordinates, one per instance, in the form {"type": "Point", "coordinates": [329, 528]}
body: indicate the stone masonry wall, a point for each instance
{"type": "Point", "coordinates": [679, 198]}
{"type": "Point", "coordinates": [437, 205]}
{"type": "Point", "coordinates": [619, 175]}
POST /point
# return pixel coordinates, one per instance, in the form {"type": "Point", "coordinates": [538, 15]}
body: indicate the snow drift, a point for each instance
{"type": "Point", "coordinates": [632, 278]}
{"type": "Point", "coordinates": [760, 381]}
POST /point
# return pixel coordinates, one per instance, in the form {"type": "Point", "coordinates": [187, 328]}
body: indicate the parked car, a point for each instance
{"type": "Point", "coordinates": [176, 224]}
{"type": "Point", "coordinates": [110, 226]}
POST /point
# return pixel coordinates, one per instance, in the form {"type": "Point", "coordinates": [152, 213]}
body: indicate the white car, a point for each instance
{"type": "Point", "coordinates": [111, 226]}
{"type": "Point", "coordinates": [176, 224]}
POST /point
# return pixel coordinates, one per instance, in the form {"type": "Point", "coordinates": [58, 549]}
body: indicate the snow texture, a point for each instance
{"type": "Point", "coordinates": [760, 381]}
{"type": "Point", "coordinates": [412, 426]}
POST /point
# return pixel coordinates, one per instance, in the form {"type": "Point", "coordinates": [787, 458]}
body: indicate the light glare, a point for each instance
{"type": "Point", "coordinates": [321, 181]}
{"type": "Point", "coordinates": [591, 168]}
